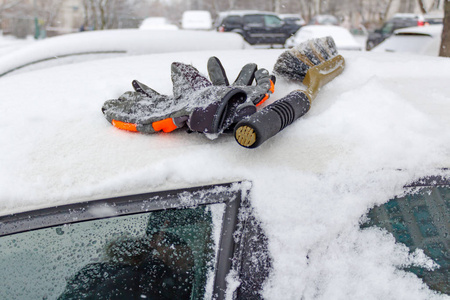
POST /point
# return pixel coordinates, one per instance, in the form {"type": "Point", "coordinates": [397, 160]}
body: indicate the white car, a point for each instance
{"type": "Point", "coordinates": [343, 38]}
{"type": "Point", "coordinates": [94, 45]}
{"type": "Point", "coordinates": [157, 23]}
{"type": "Point", "coordinates": [423, 40]}
{"type": "Point", "coordinates": [196, 20]}
{"type": "Point", "coordinates": [91, 211]}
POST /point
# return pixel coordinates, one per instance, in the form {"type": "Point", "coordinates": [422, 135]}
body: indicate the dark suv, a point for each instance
{"type": "Point", "coordinates": [388, 28]}
{"type": "Point", "coordinates": [256, 27]}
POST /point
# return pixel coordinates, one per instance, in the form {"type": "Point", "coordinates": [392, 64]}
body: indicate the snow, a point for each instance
{"type": "Point", "coordinates": [83, 45]}
{"type": "Point", "coordinates": [9, 44]}
{"type": "Point", "coordinates": [343, 38]}
{"type": "Point", "coordinates": [157, 23]}
{"type": "Point", "coordinates": [382, 123]}
{"type": "Point", "coordinates": [196, 20]}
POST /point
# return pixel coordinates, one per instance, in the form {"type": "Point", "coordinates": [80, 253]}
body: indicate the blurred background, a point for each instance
{"type": "Point", "coordinates": [370, 22]}
{"type": "Point", "coordinates": [45, 18]}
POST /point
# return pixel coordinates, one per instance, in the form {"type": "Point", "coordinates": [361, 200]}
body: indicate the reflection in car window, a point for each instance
{"type": "Point", "coordinates": [421, 220]}
{"type": "Point", "coordinates": [165, 254]}
{"type": "Point", "coordinates": [387, 28]}
{"type": "Point", "coordinates": [272, 21]}
{"type": "Point", "coordinates": [233, 20]}
{"type": "Point", "coordinates": [254, 20]}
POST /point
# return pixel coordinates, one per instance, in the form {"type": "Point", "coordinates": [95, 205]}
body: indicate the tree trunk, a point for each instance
{"type": "Point", "coordinates": [445, 41]}
{"type": "Point", "coordinates": [386, 10]}
{"type": "Point", "coordinates": [422, 7]}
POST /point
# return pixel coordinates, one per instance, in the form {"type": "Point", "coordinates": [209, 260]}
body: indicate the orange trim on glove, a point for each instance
{"type": "Point", "coordinates": [272, 87]}
{"type": "Point", "coordinates": [166, 125]}
{"type": "Point", "coordinates": [266, 96]}
{"type": "Point", "coordinates": [124, 126]}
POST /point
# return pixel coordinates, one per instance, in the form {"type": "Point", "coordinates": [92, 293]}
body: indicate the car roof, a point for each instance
{"type": "Point", "coordinates": [431, 30]}
{"type": "Point", "coordinates": [424, 40]}
{"type": "Point", "coordinates": [245, 12]}
{"type": "Point", "coordinates": [375, 128]}
{"type": "Point", "coordinates": [106, 43]}
{"type": "Point", "coordinates": [109, 78]}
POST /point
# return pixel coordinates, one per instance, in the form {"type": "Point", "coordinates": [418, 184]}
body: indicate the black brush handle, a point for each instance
{"type": "Point", "coordinates": [261, 126]}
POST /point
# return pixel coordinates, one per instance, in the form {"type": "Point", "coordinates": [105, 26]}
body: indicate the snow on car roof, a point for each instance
{"type": "Point", "coordinates": [378, 126]}
{"type": "Point", "coordinates": [119, 41]}
{"type": "Point", "coordinates": [432, 30]}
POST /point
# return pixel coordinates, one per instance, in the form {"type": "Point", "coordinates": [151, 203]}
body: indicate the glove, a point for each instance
{"type": "Point", "coordinates": [265, 83]}
{"type": "Point", "coordinates": [202, 105]}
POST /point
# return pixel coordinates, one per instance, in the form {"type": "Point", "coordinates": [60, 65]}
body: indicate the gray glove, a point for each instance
{"type": "Point", "coordinates": [204, 106]}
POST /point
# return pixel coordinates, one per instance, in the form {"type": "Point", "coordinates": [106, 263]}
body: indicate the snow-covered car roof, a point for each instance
{"type": "Point", "coordinates": [431, 30]}
{"type": "Point", "coordinates": [381, 124]}
{"type": "Point", "coordinates": [342, 37]}
{"type": "Point", "coordinates": [424, 40]}
{"type": "Point", "coordinates": [92, 45]}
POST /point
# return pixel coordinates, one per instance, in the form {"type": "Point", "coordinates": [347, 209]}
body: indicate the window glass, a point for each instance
{"type": "Point", "coordinates": [165, 254]}
{"type": "Point", "coordinates": [421, 220]}
{"type": "Point", "coordinates": [272, 21]}
{"type": "Point", "coordinates": [233, 20]}
{"type": "Point", "coordinates": [387, 28]}
{"type": "Point", "coordinates": [254, 20]}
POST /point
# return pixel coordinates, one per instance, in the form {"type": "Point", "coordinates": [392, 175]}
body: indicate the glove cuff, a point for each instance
{"type": "Point", "coordinates": [219, 115]}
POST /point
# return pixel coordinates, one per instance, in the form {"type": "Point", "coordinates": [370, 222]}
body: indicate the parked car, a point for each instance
{"type": "Point", "coordinates": [400, 20]}
{"type": "Point", "coordinates": [94, 45]}
{"type": "Point", "coordinates": [293, 19]}
{"type": "Point", "coordinates": [324, 20]}
{"type": "Point", "coordinates": [196, 20]}
{"type": "Point", "coordinates": [343, 38]}
{"type": "Point", "coordinates": [425, 40]}
{"type": "Point", "coordinates": [90, 211]}
{"type": "Point", "coordinates": [157, 23]}
{"type": "Point", "coordinates": [256, 27]}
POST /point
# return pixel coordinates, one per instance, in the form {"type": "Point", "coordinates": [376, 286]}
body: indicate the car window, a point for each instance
{"type": "Point", "coordinates": [419, 220]}
{"type": "Point", "coordinates": [233, 20]}
{"type": "Point", "coordinates": [254, 20]}
{"type": "Point", "coordinates": [387, 28]}
{"type": "Point", "coordinates": [144, 252]}
{"type": "Point", "coordinates": [272, 21]}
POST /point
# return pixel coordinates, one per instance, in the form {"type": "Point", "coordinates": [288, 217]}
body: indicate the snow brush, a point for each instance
{"type": "Point", "coordinates": [314, 63]}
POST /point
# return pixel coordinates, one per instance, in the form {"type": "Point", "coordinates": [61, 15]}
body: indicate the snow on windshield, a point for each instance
{"type": "Point", "coordinates": [379, 125]}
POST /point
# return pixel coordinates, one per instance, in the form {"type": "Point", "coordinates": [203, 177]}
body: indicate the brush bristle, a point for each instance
{"type": "Point", "coordinates": [290, 67]}
{"type": "Point", "coordinates": [294, 63]}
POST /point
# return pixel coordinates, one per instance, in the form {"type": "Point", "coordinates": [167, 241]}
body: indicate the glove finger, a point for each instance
{"type": "Point", "coordinates": [246, 75]}
{"type": "Point", "coordinates": [143, 89]}
{"type": "Point", "coordinates": [187, 80]}
{"type": "Point", "coordinates": [216, 72]}
{"type": "Point", "coordinates": [265, 85]}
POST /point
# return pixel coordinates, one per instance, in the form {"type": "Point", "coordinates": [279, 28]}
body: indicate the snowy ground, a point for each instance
{"type": "Point", "coordinates": [9, 44]}
{"type": "Point", "coordinates": [381, 124]}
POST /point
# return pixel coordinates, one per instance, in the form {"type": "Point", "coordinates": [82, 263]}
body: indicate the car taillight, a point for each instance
{"type": "Point", "coordinates": [221, 29]}
{"type": "Point", "coordinates": [420, 23]}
